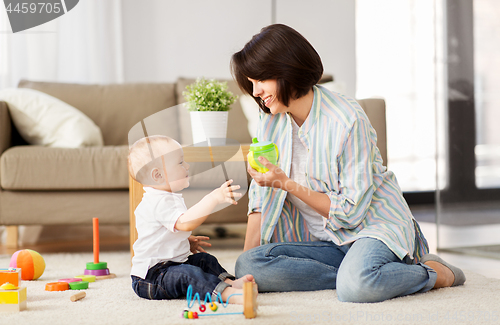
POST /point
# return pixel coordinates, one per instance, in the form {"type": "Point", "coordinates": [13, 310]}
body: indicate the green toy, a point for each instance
{"type": "Point", "coordinates": [265, 149]}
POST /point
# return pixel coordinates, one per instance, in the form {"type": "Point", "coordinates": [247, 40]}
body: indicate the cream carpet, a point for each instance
{"type": "Point", "coordinates": [113, 301]}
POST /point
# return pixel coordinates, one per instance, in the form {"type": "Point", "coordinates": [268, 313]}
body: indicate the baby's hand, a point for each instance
{"type": "Point", "coordinates": [226, 193]}
{"type": "Point", "coordinates": [196, 243]}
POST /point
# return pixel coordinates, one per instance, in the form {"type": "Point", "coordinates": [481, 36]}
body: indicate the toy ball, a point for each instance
{"type": "Point", "coordinates": [31, 263]}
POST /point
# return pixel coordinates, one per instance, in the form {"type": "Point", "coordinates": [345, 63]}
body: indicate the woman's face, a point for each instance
{"type": "Point", "coordinates": [267, 90]}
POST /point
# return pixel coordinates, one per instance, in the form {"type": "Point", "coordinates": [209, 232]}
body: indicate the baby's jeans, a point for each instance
{"type": "Point", "coordinates": [170, 280]}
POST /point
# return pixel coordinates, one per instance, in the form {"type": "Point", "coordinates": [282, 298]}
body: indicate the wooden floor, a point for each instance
{"type": "Point", "coordinates": [79, 239]}
{"type": "Point", "coordinates": [74, 246]}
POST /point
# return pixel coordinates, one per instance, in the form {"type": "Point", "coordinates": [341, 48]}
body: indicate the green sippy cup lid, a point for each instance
{"type": "Point", "coordinates": [261, 146]}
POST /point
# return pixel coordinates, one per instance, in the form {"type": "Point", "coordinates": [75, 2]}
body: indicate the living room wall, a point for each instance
{"type": "Point", "coordinates": [167, 39]}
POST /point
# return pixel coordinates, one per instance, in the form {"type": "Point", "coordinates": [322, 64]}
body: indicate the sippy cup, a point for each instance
{"type": "Point", "coordinates": [266, 149]}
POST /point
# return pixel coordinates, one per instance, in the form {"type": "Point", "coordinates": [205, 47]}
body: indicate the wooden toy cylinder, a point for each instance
{"type": "Point", "coordinates": [78, 296]}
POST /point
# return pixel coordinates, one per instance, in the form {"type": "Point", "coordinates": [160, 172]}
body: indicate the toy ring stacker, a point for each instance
{"type": "Point", "coordinates": [96, 268]}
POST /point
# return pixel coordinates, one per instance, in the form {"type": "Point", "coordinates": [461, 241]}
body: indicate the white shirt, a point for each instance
{"type": "Point", "coordinates": [313, 219]}
{"type": "Point", "coordinates": [158, 240]}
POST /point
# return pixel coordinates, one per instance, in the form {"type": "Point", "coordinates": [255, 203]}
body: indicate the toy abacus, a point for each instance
{"type": "Point", "coordinates": [97, 267]}
{"type": "Point", "coordinates": [249, 303]}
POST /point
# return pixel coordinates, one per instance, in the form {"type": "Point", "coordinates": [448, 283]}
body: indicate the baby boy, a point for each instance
{"type": "Point", "coordinates": [162, 266]}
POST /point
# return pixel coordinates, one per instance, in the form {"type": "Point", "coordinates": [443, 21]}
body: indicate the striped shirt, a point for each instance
{"type": "Point", "coordinates": [343, 161]}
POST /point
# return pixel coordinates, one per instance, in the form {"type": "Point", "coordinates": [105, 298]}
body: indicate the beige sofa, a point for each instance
{"type": "Point", "coordinates": [49, 186]}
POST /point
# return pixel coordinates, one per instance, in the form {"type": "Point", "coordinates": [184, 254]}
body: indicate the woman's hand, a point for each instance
{"type": "Point", "coordinates": [275, 177]}
{"type": "Point", "coordinates": [196, 243]}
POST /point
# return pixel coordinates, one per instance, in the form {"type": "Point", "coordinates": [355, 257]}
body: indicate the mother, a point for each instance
{"type": "Point", "coordinates": [329, 215]}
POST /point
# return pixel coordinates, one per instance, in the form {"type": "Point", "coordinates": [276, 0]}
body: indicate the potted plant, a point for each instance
{"type": "Point", "coordinates": [208, 102]}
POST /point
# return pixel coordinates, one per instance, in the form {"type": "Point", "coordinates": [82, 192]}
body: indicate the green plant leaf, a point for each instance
{"type": "Point", "coordinates": [208, 95]}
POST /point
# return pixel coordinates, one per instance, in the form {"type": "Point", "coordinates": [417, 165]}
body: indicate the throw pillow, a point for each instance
{"type": "Point", "coordinates": [45, 120]}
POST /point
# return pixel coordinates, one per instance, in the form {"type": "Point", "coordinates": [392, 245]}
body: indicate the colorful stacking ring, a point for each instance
{"type": "Point", "coordinates": [96, 272]}
{"type": "Point", "coordinates": [70, 280]}
{"type": "Point", "coordinates": [57, 286]}
{"type": "Point", "coordinates": [88, 278]}
{"type": "Point", "coordinates": [79, 285]}
{"type": "Point", "coordinates": [97, 266]}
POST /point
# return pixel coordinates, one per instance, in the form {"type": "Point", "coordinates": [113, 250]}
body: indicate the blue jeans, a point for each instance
{"type": "Point", "coordinates": [365, 271]}
{"type": "Point", "coordinates": [170, 280]}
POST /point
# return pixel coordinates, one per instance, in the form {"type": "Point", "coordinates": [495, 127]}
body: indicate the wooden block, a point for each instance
{"type": "Point", "coordinates": [78, 296]}
{"type": "Point", "coordinates": [250, 299]}
{"type": "Point", "coordinates": [11, 276]}
{"type": "Point", "coordinates": [10, 308]}
{"type": "Point", "coordinates": [13, 300]}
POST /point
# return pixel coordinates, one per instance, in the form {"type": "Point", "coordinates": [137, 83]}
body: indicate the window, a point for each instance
{"type": "Point", "coordinates": [397, 44]}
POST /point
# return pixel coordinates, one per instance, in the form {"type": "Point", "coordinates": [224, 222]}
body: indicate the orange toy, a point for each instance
{"type": "Point", "coordinates": [31, 263]}
{"type": "Point", "coordinates": [12, 276]}
{"type": "Point", "coordinates": [57, 286]}
{"type": "Point", "coordinates": [95, 223]}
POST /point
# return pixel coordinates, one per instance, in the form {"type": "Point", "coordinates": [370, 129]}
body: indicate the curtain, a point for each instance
{"type": "Point", "coordinates": [83, 46]}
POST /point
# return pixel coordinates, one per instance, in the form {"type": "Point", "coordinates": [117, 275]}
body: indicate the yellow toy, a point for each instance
{"type": "Point", "coordinates": [12, 298]}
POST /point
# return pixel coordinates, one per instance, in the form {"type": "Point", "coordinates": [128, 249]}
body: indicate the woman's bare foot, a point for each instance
{"type": "Point", "coordinates": [445, 277]}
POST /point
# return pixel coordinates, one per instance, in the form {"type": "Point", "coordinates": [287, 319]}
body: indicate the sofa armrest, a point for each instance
{"type": "Point", "coordinates": [5, 127]}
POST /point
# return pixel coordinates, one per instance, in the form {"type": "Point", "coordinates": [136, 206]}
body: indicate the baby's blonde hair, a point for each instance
{"type": "Point", "coordinates": [145, 150]}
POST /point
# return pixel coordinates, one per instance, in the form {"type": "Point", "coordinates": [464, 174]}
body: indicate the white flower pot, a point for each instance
{"type": "Point", "coordinates": [208, 125]}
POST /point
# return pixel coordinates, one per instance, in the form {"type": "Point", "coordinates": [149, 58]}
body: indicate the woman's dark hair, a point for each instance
{"type": "Point", "coordinates": [278, 52]}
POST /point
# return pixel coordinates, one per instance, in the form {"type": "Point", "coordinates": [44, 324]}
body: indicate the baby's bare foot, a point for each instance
{"type": "Point", "coordinates": [235, 292]}
{"type": "Point", "coordinates": [238, 283]}
{"type": "Point", "coordinates": [234, 295]}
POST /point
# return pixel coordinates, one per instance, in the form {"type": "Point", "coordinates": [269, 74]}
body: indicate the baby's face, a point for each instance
{"type": "Point", "coordinates": [176, 168]}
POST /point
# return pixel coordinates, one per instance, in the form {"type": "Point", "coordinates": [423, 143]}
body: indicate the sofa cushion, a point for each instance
{"type": "Point", "coordinates": [63, 207]}
{"type": "Point", "coordinates": [203, 175]}
{"type": "Point", "coordinates": [5, 127]}
{"type": "Point", "coordinates": [237, 123]}
{"type": "Point", "coordinates": [43, 168]}
{"type": "Point", "coordinates": [45, 120]}
{"type": "Point", "coordinates": [375, 110]}
{"type": "Point", "coordinates": [223, 213]}
{"type": "Point", "coordinates": [115, 108]}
